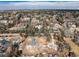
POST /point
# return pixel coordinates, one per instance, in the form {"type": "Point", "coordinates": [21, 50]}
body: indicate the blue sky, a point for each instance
{"type": "Point", "coordinates": [7, 5]}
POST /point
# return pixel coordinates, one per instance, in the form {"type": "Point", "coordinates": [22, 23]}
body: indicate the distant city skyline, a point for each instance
{"type": "Point", "coordinates": [9, 5]}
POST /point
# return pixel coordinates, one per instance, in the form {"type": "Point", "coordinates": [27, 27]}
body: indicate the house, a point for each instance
{"type": "Point", "coordinates": [4, 22]}
{"type": "Point", "coordinates": [68, 22]}
{"type": "Point", "coordinates": [10, 21]}
{"type": "Point", "coordinates": [1, 17]}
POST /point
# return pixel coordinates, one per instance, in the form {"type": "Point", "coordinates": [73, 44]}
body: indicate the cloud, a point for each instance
{"type": "Point", "coordinates": [39, 5]}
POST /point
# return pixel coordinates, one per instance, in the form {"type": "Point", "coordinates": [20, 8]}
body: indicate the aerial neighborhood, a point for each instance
{"type": "Point", "coordinates": [39, 33]}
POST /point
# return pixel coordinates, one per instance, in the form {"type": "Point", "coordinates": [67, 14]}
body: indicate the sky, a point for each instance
{"type": "Point", "coordinates": [8, 5]}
